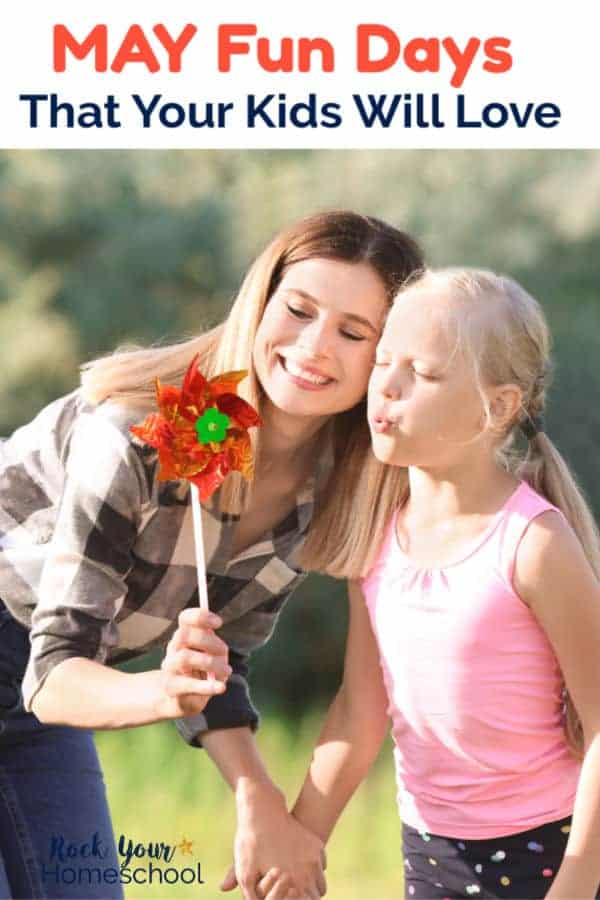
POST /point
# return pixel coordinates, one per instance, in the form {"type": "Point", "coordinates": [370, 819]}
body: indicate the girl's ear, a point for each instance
{"type": "Point", "coordinates": [505, 404]}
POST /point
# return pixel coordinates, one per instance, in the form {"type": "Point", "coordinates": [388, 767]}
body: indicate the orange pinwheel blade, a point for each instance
{"type": "Point", "coordinates": [172, 430]}
{"type": "Point", "coordinates": [227, 383]}
{"type": "Point", "coordinates": [242, 414]}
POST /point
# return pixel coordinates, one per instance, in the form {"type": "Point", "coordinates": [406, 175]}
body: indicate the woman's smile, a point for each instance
{"type": "Point", "coordinates": [308, 377]}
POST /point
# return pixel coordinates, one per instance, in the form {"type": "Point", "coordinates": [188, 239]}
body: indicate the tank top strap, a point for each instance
{"type": "Point", "coordinates": [522, 508]}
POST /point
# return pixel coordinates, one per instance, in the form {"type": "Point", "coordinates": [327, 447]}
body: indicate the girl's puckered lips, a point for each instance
{"type": "Point", "coordinates": [382, 423]}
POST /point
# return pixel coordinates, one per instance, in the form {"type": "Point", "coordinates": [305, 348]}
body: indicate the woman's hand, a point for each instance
{"type": "Point", "coordinates": [194, 651]}
{"type": "Point", "coordinates": [88, 694]}
{"type": "Point", "coordinates": [275, 856]}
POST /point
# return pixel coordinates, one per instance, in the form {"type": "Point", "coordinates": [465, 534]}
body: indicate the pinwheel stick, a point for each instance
{"type": "Point", "coordinates": [201, 433]}
{"type": "Point", "coordinates": [200, 557]}
{"type": "Point", "coordinates": [199, 545]}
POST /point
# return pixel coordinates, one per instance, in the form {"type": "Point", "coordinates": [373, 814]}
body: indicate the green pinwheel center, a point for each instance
{"type": "Point", "coordinates": [211, 426]}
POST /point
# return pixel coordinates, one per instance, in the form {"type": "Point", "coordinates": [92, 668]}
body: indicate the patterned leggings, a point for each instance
{"type": "Point", "coordinates": [519, 866]}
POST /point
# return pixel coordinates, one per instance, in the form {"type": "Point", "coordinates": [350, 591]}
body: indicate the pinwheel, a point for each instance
{"type": "Point", "coordinates": [201, 434]}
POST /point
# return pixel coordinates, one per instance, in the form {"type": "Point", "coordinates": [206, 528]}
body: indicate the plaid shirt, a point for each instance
{"type": "Point", "coordinates": [97, 557]}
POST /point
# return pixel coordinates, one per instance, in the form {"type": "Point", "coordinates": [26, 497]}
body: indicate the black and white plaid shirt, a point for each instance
{"type": "Point", "coordinates": [97, 557]}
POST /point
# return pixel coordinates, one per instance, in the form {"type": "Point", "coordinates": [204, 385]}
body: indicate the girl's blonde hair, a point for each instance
{"type": "Point", "coordinates": [128, 376]}
{"type": "Point", "coordinates": [503, 331]}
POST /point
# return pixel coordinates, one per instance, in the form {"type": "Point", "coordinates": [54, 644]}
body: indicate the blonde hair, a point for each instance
{"type": "Point", "coordinates": [128, 376]}
{"type": "Point", "coordinates": [505, 334]}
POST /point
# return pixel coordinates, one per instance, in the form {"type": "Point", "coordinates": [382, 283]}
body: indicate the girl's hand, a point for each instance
{"type": "Point", "coordinates": [193, 651]}
{"type": "Point", "coordinates": [275, 856]}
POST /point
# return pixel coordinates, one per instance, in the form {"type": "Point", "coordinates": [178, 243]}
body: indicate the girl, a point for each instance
{"type": "Point", "coordinates": [485, 606]}
{"type": "Point", "coordinates": [97, 562]}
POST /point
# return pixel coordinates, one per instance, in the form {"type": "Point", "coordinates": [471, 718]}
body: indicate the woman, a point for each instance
{"type": "Point", "coordinates": [97, 557]}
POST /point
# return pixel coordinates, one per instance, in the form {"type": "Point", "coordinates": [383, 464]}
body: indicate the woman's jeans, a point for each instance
{"type": "Point", "coordinates": [56, 838]}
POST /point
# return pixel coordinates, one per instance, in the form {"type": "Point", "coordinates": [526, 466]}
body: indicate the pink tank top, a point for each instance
{"type": "Point", "coordinates": [474, 686]}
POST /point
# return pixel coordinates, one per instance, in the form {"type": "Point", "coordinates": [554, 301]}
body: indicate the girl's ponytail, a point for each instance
{"type": "Point", "coordinates": [547, 472]}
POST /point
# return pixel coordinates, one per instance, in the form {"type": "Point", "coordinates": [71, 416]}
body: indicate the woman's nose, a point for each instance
{"type": "Point", "coordinates": [315, 339]}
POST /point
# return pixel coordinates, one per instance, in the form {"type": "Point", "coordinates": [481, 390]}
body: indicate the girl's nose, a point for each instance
{"type": "Point", "coordinates": [391, 387]}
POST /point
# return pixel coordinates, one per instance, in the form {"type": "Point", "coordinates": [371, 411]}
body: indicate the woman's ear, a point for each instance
{"type": "Point", "coordinates": [505, 404]}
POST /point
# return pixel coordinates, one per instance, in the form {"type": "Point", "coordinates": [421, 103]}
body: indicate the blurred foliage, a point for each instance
{"type": "Point", "coordinates": [98, 248]}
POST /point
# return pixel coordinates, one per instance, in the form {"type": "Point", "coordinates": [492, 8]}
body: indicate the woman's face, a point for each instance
{"type": "Point", "coordinates": [315, 345]}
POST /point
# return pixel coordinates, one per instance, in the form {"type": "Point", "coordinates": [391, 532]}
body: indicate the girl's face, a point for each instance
{"type": "Point", "coordinates": [424, 406]}
{"type": "Point", "coordinates": [315, 345]}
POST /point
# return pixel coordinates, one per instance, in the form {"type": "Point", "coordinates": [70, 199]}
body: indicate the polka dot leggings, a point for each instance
{"type": "Point", "coordinates": [519, 866]}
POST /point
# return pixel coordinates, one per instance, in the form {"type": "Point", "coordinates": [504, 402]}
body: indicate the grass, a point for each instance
{"type": "Point", "coordinates": [161, 790]}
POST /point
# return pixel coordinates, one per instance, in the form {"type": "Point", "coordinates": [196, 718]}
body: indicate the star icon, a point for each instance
{"type": "Point", "coordinates": [185, 846]}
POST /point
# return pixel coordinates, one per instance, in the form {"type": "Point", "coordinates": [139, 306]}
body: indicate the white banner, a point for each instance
{"type": "Point", "coordinates": [278, 75]}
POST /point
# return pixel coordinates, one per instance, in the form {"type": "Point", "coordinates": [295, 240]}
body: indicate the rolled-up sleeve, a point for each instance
{"type": "Point", "coordinates": [82, 584]}
{"type": "Point", "coordinates": [232, 709]}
